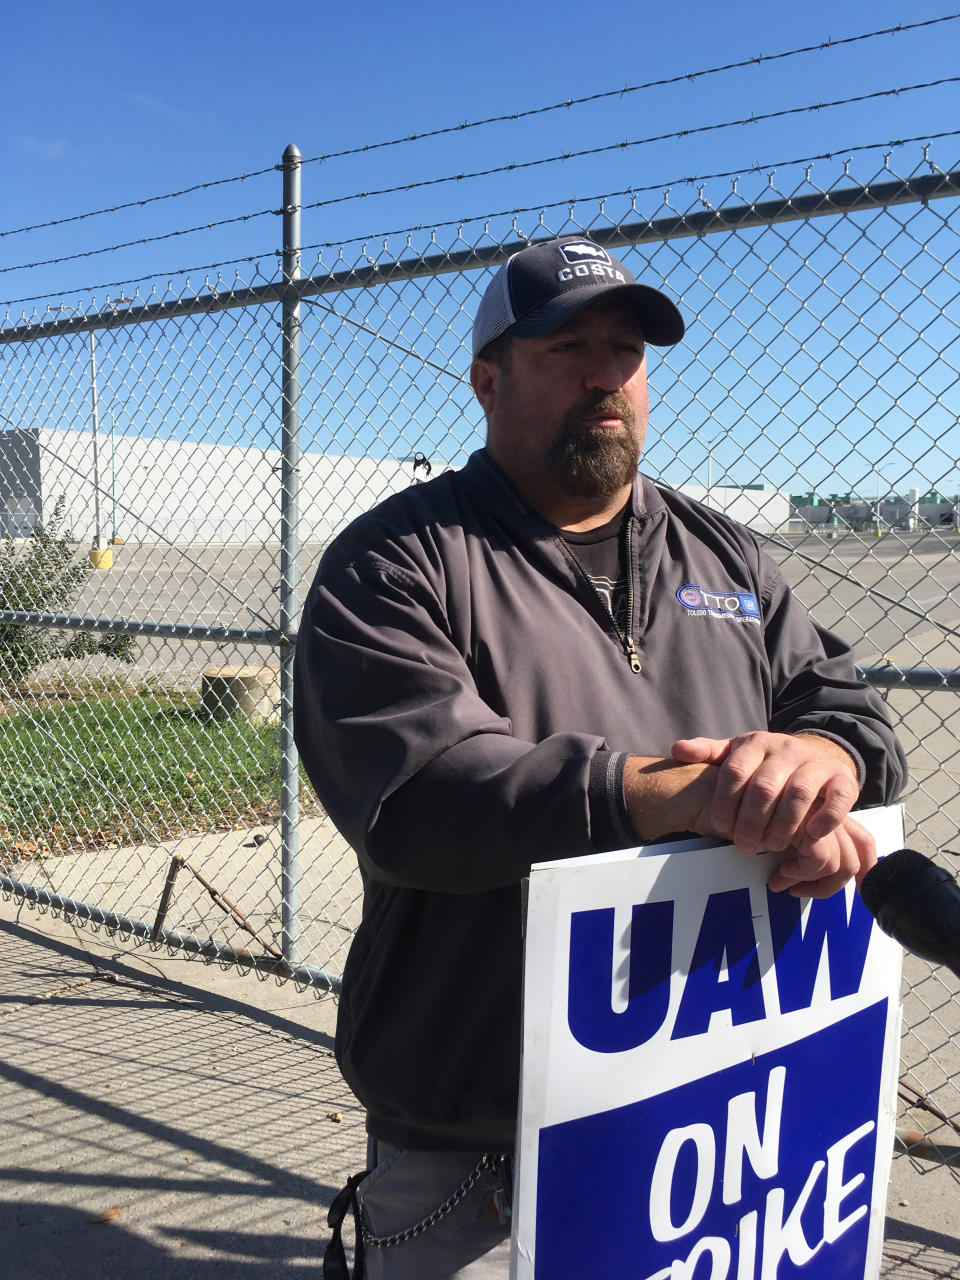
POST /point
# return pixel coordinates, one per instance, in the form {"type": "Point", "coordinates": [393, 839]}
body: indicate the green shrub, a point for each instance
{"type": "Point", "coordinates": [45, 576]}
{"type": "Point", "coordinates": [132, 769]}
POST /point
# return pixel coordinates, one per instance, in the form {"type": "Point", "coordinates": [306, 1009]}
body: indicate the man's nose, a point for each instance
{"type": "Point", "coordinates": [605, 371]}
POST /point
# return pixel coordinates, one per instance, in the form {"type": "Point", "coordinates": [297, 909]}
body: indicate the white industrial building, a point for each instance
{"type": "Point", "coordinates": [153, 490]}
{"type": "Point", "coordinates": [763, 510]}
{"type": "Point", "coordinates": [180, 491]}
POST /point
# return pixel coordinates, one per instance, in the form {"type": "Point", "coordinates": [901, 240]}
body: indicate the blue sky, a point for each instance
{"type": "Point", "coordinates": [107, 103]}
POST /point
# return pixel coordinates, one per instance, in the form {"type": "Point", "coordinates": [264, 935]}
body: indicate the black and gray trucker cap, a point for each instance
{"type": "Point", "coordinates": [539, 288]}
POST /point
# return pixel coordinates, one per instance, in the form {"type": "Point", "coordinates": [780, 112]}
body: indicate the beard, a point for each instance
{"type": "Point", "coordinates": [595, 462]}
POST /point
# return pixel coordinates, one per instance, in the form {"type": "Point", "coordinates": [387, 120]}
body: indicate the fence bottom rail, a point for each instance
{"type": "Point", "coordinates": [309, 975]}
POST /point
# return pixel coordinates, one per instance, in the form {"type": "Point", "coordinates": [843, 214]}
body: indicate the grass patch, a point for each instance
{"type": "Point", "coordinates": [129, 770]}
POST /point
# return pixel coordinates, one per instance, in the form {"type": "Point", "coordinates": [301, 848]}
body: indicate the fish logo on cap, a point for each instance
{"type": "Point", "coordinates": [577, 251]}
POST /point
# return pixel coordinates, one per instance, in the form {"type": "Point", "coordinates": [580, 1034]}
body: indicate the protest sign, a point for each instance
{"type": "Point", "coordinates": [709, 1071]}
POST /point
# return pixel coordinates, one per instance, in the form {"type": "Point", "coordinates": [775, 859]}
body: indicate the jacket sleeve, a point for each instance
{"type": "Point", "coordinates": [425, 780]}
{"type": "Point", "coordinates": [815, 689]}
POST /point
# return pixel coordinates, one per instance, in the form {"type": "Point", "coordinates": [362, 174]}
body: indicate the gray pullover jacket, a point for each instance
{"type": "Point", "coordinates": [464, 708]}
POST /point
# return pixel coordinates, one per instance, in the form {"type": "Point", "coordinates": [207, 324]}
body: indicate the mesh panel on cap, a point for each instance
{"type": "Point", "coordinates": [494, 314]}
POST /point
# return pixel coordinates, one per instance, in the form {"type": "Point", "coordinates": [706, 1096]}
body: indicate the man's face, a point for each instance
{"type": "Point", "coordinates": [570, 409]}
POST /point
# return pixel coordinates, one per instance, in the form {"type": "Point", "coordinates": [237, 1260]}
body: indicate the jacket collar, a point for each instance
{"type": "Point", "coordinates": [498, 492]}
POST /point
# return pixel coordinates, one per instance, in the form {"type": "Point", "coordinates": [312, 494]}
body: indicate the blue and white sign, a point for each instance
{"type": "Point", "coordinates": [709, 1071]}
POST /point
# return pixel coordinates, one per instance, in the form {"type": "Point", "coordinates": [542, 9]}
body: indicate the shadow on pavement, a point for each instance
{"type": "Point", "coordinates": [55, 1242]}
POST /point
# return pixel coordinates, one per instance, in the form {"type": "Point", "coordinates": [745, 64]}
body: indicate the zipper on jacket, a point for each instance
{"type": "Point", "coordinates": [625, 638]}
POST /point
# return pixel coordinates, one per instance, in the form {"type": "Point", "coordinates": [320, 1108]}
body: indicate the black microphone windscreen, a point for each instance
{"type": "Point", "coordinates": [917, 903]}
{"type": "Point", "coordinates": [899, 874]}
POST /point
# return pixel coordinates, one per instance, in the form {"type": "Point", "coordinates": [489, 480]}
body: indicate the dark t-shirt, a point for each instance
{"type": "Point", "coordinates": [600, 553]}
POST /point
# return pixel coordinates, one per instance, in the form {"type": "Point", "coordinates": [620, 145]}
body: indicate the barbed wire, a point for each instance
{"type": "Point", "coordinates": [144, 279]}
{"type": "Point", "coordinates": [664, 185]}
{"type": "Point", "coordinates": [515, 166]}
{"type": "Point", "coordinates": [130, 244]}
{"type": "Point", "coordinates": [508, 117]}
{"type": "Point", "coordinates": [136, 204]}
{"type": "Point", "coordinates": [674, 135]}
{"type": "Point", "coordinates": [689, 76]}
{"type": "Point", "coordinates": [758, 167]}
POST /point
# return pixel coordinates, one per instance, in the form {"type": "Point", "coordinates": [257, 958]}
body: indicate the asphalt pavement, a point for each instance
{"type": "Point", "coordinates": [161, 1118]}
{"type": "Point", "coordinates": [164, 1118]}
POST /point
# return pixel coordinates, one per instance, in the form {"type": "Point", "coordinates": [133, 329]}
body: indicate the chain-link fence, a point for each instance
{"type": "Point", "coordinates": [172, 464]}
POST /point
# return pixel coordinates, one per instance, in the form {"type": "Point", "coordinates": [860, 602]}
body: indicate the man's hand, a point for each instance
{"type": "Point", "coordinates": [818, 868]}
{"type": "Point", "coordinates": [776, 791]}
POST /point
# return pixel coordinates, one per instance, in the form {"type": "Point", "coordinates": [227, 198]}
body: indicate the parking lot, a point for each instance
{"type": "Point", "coordinates": [896, 597]}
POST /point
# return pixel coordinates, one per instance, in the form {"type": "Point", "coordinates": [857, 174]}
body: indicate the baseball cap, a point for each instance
{"type": "Point", "coordinates": [539, 288]}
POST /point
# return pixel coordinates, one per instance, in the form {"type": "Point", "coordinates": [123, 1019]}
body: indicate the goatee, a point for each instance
{"type": "Point", "coordinates": [595, 462]}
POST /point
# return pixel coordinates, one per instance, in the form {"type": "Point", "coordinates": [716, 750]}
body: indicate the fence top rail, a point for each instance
{"type": "Point", "coordinates": [736, 217]}
{"type": "Point", "coordinates": [894, 677]}
{"type": "Point", "coordinates": [145, 627]}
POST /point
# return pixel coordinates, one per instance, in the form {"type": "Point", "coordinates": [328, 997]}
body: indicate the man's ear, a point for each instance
{"type": "Point", "coordinates": [484, 376]}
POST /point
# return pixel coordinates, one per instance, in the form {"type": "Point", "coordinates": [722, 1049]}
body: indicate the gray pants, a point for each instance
{"type": "Point", "coordinates": [468, 1239]}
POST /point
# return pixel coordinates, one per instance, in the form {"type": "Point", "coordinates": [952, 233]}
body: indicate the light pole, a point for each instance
{"type": "Point", "coordinates": [106, 553]}
{"type": "Point", "coordinates": [99, 543]}
{"type": "Point", "coordinates": [877, 531]}
{"type": "Point", "coordinates": [114, 536]}
{"type": "Point", "coordinates": [710, 445]}
{"type": "Point", "coordinates": [101, 556]}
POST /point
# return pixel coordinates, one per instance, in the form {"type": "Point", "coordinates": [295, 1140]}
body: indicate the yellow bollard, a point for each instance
{"type": "Point", "coordinates": [101, 558]}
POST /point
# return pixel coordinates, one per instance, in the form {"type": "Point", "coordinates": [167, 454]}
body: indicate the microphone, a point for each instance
{"type": "Point", "coordinates": [918, 904]}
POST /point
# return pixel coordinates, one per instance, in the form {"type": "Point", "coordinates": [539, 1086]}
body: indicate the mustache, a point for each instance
{"type": "Point", "coordinates": [602, 403]}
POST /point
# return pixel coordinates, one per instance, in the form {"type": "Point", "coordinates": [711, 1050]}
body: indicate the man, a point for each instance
{"type": "Point", "coordinates": [539, 656]}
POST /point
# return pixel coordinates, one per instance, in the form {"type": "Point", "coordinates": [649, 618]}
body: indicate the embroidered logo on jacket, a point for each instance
{"type": "Point", "coordinates": [738, 606]}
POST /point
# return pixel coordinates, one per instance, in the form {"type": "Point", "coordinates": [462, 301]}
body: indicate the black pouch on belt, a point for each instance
{"type": "Point", "coordinates": [335, 1257]}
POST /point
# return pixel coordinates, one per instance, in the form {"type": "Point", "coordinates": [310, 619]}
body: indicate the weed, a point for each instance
{"type": "Point", "coordinates": [132, 770]}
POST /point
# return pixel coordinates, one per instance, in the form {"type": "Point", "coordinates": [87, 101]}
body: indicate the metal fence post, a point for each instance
{"type": "Point", "coordinates": [289, 548]}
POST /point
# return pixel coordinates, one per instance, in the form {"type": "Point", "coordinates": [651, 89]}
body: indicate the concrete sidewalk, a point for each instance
{"type": "Point", "coordinates": [160, 1117]}
{"type": "Point", "coordinates": [164, 1118]}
